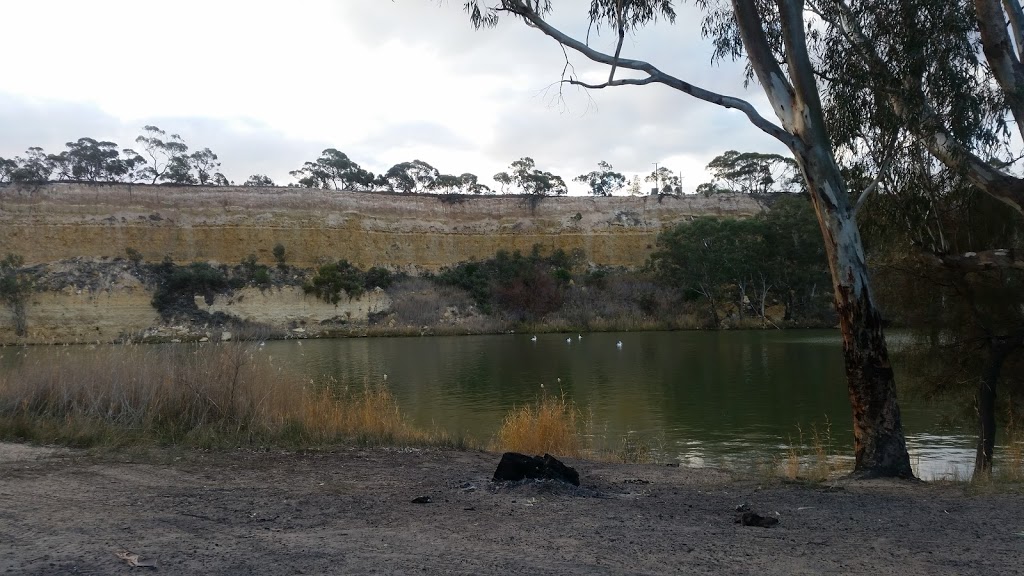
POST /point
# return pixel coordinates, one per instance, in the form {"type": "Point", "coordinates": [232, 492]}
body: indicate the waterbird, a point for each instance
{"type": "Point", "coordinates": [579, 336]}
{"type": "Point", "coordinates": [534, 339]}
{"type": "Point", "coordinates": [568, 340]}
{"type": "Point", "coordinates": [618, 344]}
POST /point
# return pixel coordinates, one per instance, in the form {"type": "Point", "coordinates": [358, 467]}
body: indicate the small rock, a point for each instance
{"type": "Point", "coordinates": [754, 519]}
{"type": "Point", "coordinates": [514, 467]}
{"type": "Point", "coordinates": [422, 500]}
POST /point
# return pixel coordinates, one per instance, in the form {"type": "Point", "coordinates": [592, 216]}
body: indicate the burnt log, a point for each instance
{"type": "Point", "coordinates": [514, 467]}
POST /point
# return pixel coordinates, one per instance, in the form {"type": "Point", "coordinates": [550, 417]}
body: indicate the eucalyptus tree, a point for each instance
{"type": "Point", "coordinates": [408, 177]}
{"type": "Point", "coordinates": [931, 227]}
{"type": "Point", "coordinates": [259, 180]}
{"type": "Point", "coordinates": [523, 173]}
{"type": "Point", "coordinates": [7, 167]}
{"type": "Point", "coordinates": [470, 184]}
{"type": "Point", "coordinates": [773, 37]}
{"type": "Point", "coordinates": [753, 173]}
{"type": "Point", "coordinates": [35, 166]}
{"type": "Point", "coordinates": [164, 152]}
{"type": "Point", "coordinates": [604, 181]}
{"type": "Point", "coordinates": [665, 180]}
{"type": "Point", "coordinates": [334, 170]}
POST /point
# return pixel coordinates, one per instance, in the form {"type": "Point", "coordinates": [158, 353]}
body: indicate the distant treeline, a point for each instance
{"type": "Point", "coordinates": [162, 158]}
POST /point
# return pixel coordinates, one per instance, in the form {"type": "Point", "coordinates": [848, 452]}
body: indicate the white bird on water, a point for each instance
{"type": "Point", "coordinates": [618, 344]}
{"type": "Point", "coordinates": [579, 336]}
{"type": "Point", "coordinates": [534, 339]}
{"type": "Point", "coordinates": [568, 340]}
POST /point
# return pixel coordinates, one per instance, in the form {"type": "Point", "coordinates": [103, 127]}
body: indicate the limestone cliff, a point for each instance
{"type": "Point", "coordinates": [60, 222]}
{"type": "Point", "coordinates": [409, 232]}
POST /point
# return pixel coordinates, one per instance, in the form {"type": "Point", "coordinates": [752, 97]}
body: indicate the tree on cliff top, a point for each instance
{"type": "Point", "coordinates": [333, 170]}
{"type": "Point", "coordinates": [604, 181]}
{"type": "Point", "coordinates": [751, 173]}
{"type": "Point", "coordinates": [164, 152]}
{"type": "Point", "coordinates": [768, 34]}
{"type": "Point", "coordinates": [523, 174]}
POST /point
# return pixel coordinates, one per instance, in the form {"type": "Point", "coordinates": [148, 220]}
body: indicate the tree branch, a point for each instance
{"type": "Point", "coordinates": [619, 82]}
{"type": "Point", "coordinates": [656, 75]}
{"type": "Point", "coordinates": [883, 168]}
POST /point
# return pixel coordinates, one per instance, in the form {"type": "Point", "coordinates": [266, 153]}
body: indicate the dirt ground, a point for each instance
{"type": "Point", "coordinates": [350, 511]}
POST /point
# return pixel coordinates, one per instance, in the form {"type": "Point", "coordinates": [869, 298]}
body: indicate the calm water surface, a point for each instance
{"type": "Point", "coordinates": [702, 398]}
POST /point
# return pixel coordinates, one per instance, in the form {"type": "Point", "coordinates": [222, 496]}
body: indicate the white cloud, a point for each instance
{"type": "Point", "coordinates": [268, 84]}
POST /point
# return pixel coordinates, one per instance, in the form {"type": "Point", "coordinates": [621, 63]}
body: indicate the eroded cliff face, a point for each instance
{"type": "Point", "coordinates": [413, 233]}
{"type": "Point", "coordinates": [400, 231]}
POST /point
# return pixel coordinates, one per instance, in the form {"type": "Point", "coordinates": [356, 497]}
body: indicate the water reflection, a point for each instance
{"type": "Point", "coordinates": [702, 398]}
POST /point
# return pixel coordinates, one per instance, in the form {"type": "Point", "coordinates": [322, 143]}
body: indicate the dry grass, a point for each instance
{"type": "Point", "coordinates": [554, 425]}
{"type": "Point", "coordinates": [202, 395]}
{"type": "Point", "coordinates": [814, 460]}
{"type": "Point", "coordinates": [550, 425]}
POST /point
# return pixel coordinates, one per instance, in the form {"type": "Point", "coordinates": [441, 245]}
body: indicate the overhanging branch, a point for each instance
{"type": "Point", "coordinates": [655, 76]}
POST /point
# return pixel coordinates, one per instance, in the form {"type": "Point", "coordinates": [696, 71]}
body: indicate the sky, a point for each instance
{"type": "Point", "coordinates": [267, 85]}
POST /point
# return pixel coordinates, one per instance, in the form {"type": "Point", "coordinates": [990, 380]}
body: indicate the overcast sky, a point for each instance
{"type": "Point", "coordinates": [267, 85]}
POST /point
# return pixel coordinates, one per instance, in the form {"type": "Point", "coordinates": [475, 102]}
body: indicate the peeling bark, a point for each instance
{"type": "Point", "coordinates": [879, 443]}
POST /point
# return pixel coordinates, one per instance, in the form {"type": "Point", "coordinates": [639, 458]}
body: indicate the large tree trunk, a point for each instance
{"type": "Point", "coordinates": [999, 348]}
{"type": "Point", "coordinates": [987, 413]}
{"type": "Point", "coordinates": [879, 445]}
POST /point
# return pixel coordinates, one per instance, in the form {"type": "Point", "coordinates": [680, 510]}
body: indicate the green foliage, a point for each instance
{"type": "Point", "coordinates": [165, 154]}
{"type": "Point", "coordinates": [279, 255]}
{"type": "Point", "coordinates": [177, 286]}
{"type": "Point", "coordinates": [377, 277]}
{"type": "Point", "coordinates": [331, 280]}
{"type": "Point", "coordinates": [751, 173]}
{"type": "Point", "coordinates": [744, 261]}
{"type": "Point", "coordinates": [259, 180]}
{"type": "Point", "coordinates": [334, 170]}
{"type": "Point", "coordinates": [253, 271]}
{"type": "Point", "coordinates": [524, 287]}
{"type": "Point", "coordinates": [603, 181]}
{"type": "Point", "coordinates": [666, 181]}
{"type": "Point", "coordinates": [133, 255]}
{"type": "Point", "coordinates": [415, 176]}
{"type": "Point", "coordinates": [525, 176]}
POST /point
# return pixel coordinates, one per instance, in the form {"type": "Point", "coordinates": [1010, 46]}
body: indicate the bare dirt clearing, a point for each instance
{"type": "Point", "coordinates": [350, 511]}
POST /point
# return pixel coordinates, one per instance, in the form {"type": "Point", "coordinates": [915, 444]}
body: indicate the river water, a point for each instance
{"type": "Point", "coordinates": [699, 398]}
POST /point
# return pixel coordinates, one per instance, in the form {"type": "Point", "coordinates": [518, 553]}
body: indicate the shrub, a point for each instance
{"type": "Point", "coordinates": [279, 255]}
{"type": "Point", "coordinates": [133, 255]}
{"type": "Point", "coordinates": [331, 280]}
{"type": "Point", "coordinates": [378, 277]}
{"type": "Point", "coordinates": [524, 287]}
{"type": "Point", "coordinates": [15, 288]}
{"type": "Point", "coordinates": [177, 286]}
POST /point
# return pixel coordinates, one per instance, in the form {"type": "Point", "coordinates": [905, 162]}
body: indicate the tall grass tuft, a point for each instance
{"type": "Point", "coordinates": [206, 395]}
{"type": "Point", "coordinates": [549, 425]}
{"type": "Point", "coordinates": [814, 460]}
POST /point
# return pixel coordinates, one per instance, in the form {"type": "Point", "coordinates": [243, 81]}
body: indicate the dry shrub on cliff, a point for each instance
{"type": "Point", "coordinates": [212, 394]}
{"type": "Point", "coordinates": [419, 302]}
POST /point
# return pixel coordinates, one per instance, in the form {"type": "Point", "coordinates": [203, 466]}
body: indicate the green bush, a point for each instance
{"type": "Point", "coordinates": [333, 279]}
{"type": "Point", "coordinates": [524, 287]}
{"type": "Point", "coordinates": [279, 255]}
{"type": "Point", "coordinates": [178, 285]}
